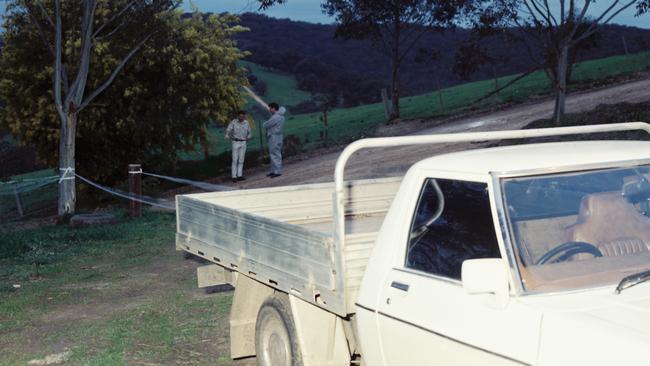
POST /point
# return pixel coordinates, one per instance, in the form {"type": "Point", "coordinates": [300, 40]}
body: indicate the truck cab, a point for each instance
{"type": "Point", "coordinates": [510, 256]}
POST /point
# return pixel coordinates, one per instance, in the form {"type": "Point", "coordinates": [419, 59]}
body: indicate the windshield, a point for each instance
{"type": "Point", "coordinates": [580, 229]}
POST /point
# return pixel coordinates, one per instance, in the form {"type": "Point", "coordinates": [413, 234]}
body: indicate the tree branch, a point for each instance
{"type": "Point", "coordinates": [39, 27]}
{"type": "Point", "coordinates": [115, 16]}
{"type": "Point", "coordinates": [413, 43]}
{"type": "Point", "coordinates": [57, 61]}
{"type": "Point", "coordinates": [47, 16]}
{"type": "Point", "coordinates": [115, 72]}
{"type": "Point", "coordinates": [41, 32]}
{"type": "Point", "coordinates": [579, 20]}
{"type": "Point", "coordinates": [109, 34]}
{"type": "Point", "coordinates": [536, 9]}
{"type": "Point", "coordinates": [549, 14]}
{"type": "Point", "coordinates": [79, 85]}
{"type": "Point", "coordinates": [597, 23]}
{"type": "Point", "coordinates": [530, 71]}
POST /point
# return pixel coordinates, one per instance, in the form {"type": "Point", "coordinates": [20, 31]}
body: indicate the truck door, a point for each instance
{"type": "Point", "coordinates": [425, 317]}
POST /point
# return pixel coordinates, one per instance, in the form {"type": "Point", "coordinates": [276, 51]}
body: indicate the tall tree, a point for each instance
{"type": "Point", "coordinates": [558, 28]}
{"type": "Point", "coordinates": [70, 69]}
{"type": "Point", "coordinates": [174, 72]}
{"type": "Point", "coordinates": [394, 25]}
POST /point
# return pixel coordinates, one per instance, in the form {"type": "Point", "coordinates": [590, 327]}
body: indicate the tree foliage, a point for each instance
{"type": "Point", "coordinates": [552, 31]}
{"type": "Point", "coordinates": [356, 69]}
{"type": "Point", "coordinates": [184, 74]}
{"type": "Point", "coordinates": [396, 26]}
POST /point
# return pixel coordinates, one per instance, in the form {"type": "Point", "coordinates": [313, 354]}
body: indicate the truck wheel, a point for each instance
{"type": "Point", "coordinates": [276, 341]}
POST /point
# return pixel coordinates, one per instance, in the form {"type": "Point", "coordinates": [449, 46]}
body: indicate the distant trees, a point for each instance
{"type": "Point", "coordinates": [316, 75]}
{"type": "Point", "coordinates": [556, 28]}
{"type": "Point", "coordinates": [339, 87]}
{"type": "Point", "coordinates": [270, 39]}
{"type": "Point", "coordinates": [130, 81]}
{"type": "Point", "coordinates": [395, 26]}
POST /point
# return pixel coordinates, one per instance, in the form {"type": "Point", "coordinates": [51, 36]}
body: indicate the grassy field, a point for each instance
{"type": "Point", "coordinates": [107, 295]}
{"type": "Point", "coordinates": [352, 123]}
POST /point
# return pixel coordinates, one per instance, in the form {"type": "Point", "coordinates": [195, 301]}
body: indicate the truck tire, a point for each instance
{"type": "Point", "coordinates": [276, 340]}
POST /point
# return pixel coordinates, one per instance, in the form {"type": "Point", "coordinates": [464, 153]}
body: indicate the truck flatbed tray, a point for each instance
{"type": "Point", "coordinates": [283, 236]}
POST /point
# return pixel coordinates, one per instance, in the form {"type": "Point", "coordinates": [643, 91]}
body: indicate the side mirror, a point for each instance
{"type": "Point", "coordinates": [486, 276]}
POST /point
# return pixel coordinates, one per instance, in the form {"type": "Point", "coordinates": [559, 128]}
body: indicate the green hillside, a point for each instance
{"type": "Point", "coordinates": [351, 123]}
{"type": "Point", "coordinates": [280, 88]}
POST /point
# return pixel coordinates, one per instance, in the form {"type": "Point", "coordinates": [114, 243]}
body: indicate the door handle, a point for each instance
{"type": "Point", "coordinates": [400, 286]}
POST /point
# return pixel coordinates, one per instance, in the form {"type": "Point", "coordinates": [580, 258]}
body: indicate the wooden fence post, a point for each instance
{"type": "Point", "coordinates": [135, 188]}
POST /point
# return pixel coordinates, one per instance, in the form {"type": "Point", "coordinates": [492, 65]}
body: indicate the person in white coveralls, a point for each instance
{"type": "Point", "coordinates": [238, 131]}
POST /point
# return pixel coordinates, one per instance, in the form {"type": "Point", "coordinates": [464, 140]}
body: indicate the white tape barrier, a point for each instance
{"type": "Point", "coordinates": [25, 186]}
{"type": "Point", "coordinates": [66, 174]}
{"type": "Point", "coordinates": [12, 188]}
{"type": "Point", "coordinates": [29, 180]}
{"type": "Point", "coordinates": [156, 202]}
{"type": "Point", "coordinates": [203, 185]}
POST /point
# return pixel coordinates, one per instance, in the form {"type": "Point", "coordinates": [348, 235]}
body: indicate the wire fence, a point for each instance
{"type": "Point", "coordinates": [27, 198]}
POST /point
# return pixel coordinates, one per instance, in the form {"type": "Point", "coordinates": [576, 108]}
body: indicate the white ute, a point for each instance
{"type": "Point", "coordinates": [530, 254]}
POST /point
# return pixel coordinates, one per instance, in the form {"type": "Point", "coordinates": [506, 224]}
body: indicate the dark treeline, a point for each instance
{"type": "Point", "coordinates": [350, 73]}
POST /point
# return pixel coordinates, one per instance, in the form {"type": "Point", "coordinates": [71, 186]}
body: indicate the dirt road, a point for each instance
{"type": "Point", "coordinates": [395, 161]}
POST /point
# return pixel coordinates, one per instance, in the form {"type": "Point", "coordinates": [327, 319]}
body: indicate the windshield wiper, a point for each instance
{"type": "Point", "coordinates": [632, 280]}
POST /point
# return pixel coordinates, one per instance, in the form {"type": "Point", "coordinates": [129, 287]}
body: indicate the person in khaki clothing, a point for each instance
{"type": "Point", "coordinates": [238, 131]}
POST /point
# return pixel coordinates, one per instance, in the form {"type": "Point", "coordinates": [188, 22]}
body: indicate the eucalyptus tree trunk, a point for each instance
{"type": "Point", "coordinates": [67, 191]}
{"type": "Point", "coordinates": [561, 84]}
{"type": "Point", "coordinates": [68, 102]}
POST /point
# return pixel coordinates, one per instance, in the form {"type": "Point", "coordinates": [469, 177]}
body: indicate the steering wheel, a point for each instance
{"type": "Point", "coordinates": [567, 250]}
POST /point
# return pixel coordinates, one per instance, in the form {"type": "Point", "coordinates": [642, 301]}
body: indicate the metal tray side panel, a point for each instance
{"type": "Point", "coordinates": [283, 236]}
{"type": "Point", "coordinates": [300, 253]}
